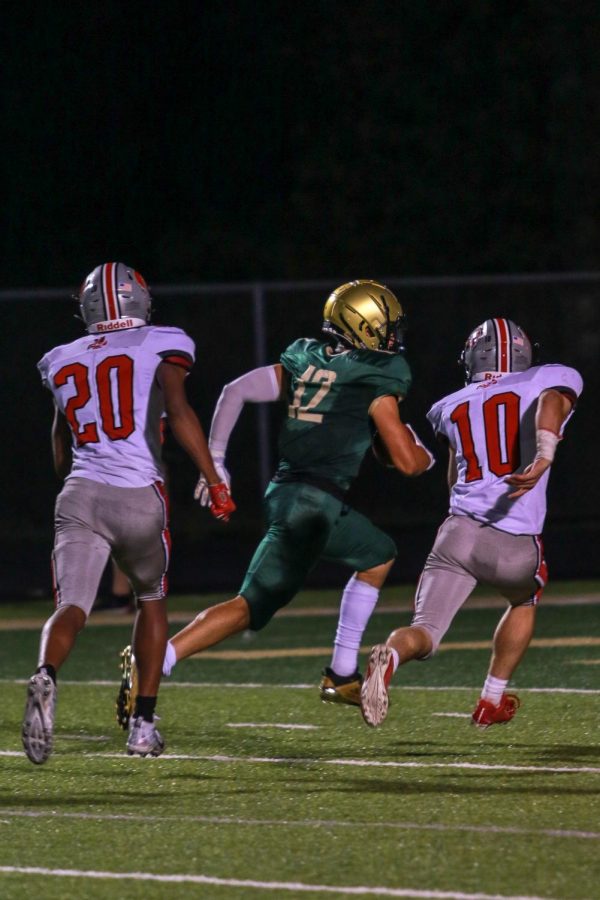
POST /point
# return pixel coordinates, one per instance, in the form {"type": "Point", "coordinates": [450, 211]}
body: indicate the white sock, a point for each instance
{"type": "Point", "coordinates": [169, 660]}
{"type": "Point", "coordinates": [395, 658]}
{"type": "Point", "coordinates": [358, 602]}
{"type": "Point", "coordinates": [493, 689]}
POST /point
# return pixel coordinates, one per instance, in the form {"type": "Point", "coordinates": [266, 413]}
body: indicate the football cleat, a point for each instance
{"type": "Point", "coordinates": [38, 721]}
{"type": "Point", "coordinates": [144, 739]}
{"type": "Point", "coordinates": [487, 713]}
{"type": "Point", "coordinates": [128, 690]}
{"type": "Point", "coordinates": [340, 688]}
{"type": "Point", "coordinates": [374, 700]}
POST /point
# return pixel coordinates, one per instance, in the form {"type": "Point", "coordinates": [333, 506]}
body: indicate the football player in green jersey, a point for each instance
{"type": "Point", "coordinates": [337, 391]}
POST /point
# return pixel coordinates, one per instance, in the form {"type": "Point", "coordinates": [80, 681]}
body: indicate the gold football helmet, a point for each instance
{"type": "Point", "coordinates": [366, 315]}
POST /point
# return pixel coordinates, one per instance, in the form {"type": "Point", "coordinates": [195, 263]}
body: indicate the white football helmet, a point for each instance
{"type": "Point", "coordinates": [496, 347]}
{"type": "Point", "coordinates": [114, 297]}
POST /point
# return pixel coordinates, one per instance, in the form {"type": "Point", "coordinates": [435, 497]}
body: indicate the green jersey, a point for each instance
{"type": "Point", "coordinates": [327, 430]}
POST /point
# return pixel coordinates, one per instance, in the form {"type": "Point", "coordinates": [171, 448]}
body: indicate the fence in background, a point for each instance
{"type": "Point", "coordinates": [238, 326]}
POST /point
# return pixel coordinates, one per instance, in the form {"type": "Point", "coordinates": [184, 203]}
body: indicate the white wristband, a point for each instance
{"type": "Point", "coordinates": [420, 443]}
{"type": "Point", "coordinates": [546, 442]}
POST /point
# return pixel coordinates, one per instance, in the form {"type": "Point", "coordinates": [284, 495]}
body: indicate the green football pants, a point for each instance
{"type": "Point", "coordinates": [306, 524]}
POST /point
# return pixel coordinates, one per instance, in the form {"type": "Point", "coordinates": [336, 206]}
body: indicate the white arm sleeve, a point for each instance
{"type": "Point", "coordinates": [257, 386]}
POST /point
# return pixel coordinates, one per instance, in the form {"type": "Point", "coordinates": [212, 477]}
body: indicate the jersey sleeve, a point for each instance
{"type": "Point", "coordinates": [174, 346]}
{"type": "Point", "coordinates": [435, 417]}
{"type": "Point", "coordinates": [560, 378]}
{"type": "Point", "coordinates": [293, 358]}
{"type": "Point", "coordinates": [393, 377]}
{"type": "Point", "coordinates": [42, 368]}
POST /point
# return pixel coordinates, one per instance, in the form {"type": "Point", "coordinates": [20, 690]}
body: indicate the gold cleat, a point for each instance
{"type": "Point", "coordinates": [336, 689]}
{"type": "Point", "coordinates": [128, 690]}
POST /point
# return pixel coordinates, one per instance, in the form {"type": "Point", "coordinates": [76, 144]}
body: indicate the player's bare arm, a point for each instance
{"type": "Point", "coordinates": [552, 410]}
{"type": "Point", "coordinates": [407, 454]}
{"type": "Point", "coordinates": [61, 444]}
{"type": "Point", "coordinates": [183, 421]}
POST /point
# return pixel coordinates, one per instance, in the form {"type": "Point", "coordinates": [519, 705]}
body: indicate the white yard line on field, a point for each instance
{"type": "Point", "coordinates": [358, 763]}
{"type": "Point", "coordinates": [284, 725]}
{"type": "Point", "coordinates": [300, 823]}
{"type": "Point", "coordinates": [452, 715]}
{"type": "Point", "coordinates": [299, 886]}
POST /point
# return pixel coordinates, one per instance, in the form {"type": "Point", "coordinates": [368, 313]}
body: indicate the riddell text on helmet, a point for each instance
{"type": "Point", "coordinates": [114, 326]}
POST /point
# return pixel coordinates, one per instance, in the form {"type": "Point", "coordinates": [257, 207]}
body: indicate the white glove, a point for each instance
{"type": "Point", "coordinates": [201, 493]}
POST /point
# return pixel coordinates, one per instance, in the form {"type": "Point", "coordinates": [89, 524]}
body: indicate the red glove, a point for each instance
{"type": "Point", "coordinates": [221, 505]}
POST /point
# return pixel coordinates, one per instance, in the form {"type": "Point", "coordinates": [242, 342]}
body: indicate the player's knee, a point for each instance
{"type": "Point", "coordinates": [75, 614]}
{"type": "Point", "coordinates": [262, 608]}
{"type": "Point", "coordinates": [429, 638]}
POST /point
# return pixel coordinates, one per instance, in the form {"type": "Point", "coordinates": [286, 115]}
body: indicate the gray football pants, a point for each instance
{"type": "Point", "coordinates": [467, 553]}
{"type": "Point", "coordinates": [94, 521]}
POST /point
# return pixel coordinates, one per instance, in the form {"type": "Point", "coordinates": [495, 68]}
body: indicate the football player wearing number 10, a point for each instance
{"type": "Point", "coordinates": [333, 389]}
{"type": "Point", "coordinates": [502, 430]}
{"type": "Point", "coordinates": [111, 389]}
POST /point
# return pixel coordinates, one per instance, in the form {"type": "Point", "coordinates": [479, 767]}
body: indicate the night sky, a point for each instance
{"type": "Point", "coordinates": [227, 141]}
{"type": "Point", "coordinates": [259, 141]}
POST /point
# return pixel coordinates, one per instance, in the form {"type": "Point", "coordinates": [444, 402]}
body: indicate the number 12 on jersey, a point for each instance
{"type": "Point", "coordinates": [501, 421]}
{"type": "Point", "coordinates": [322, 379]}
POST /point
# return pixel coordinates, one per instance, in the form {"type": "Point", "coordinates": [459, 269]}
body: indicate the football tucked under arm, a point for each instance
{"type": "Point", "coordinates": [383, 456]}
{"type": "Point", "coordinates": [381, 452]}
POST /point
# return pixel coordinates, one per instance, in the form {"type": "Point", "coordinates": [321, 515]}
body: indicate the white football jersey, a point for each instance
{"type": "Point", "coordinates": [107, 389]}
{"type": "Point", "coordinates": [491, 426]}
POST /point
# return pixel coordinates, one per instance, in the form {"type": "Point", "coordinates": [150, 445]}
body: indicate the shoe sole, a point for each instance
{"type": "Point", "coordinates": [483, 725]}
{"type": "Point", "coordinates": [155, 751]}
{"type": "Point", "coordinates": [37, 733]}
{"type": "Point", "coordinates": [374, 700]}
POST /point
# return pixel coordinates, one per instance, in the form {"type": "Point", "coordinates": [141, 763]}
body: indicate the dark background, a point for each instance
{"type": "Point", "coordinates": [220, 142]}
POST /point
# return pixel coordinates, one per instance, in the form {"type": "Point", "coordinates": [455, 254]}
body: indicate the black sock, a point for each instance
{"type": "Point", "coordinates": [49, 669]}
{"type": "Point", "coordinates": [144, 707]}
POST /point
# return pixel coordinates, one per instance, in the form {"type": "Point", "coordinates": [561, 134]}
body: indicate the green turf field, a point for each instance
{"type": "Point", "coordinates": [264, 791]}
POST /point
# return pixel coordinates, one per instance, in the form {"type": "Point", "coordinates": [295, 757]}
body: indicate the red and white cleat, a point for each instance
{"type": "Point", "coordinates": [374, 700]}
{"type": "Point", "coordinates": [486, 713]}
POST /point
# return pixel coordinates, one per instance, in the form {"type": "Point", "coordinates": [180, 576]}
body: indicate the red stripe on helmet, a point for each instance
{"type": "Point", "coordinates": [108, 289]}
{"type": "Point", "coordinates": [503, 348]}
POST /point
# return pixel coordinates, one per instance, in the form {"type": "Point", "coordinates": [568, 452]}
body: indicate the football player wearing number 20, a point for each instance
{"type": "Point", "coordinates": [110, 389]}
{"type": "Point", "coordinates": [333, 389]}
{"type": "Point", "coordinates": [502, 430]}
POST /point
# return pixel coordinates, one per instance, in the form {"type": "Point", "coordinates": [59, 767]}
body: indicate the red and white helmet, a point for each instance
{"type": "Point", "coordinates": [496, 347]}
{"type": "Point", "coordinates": [114, 297]}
